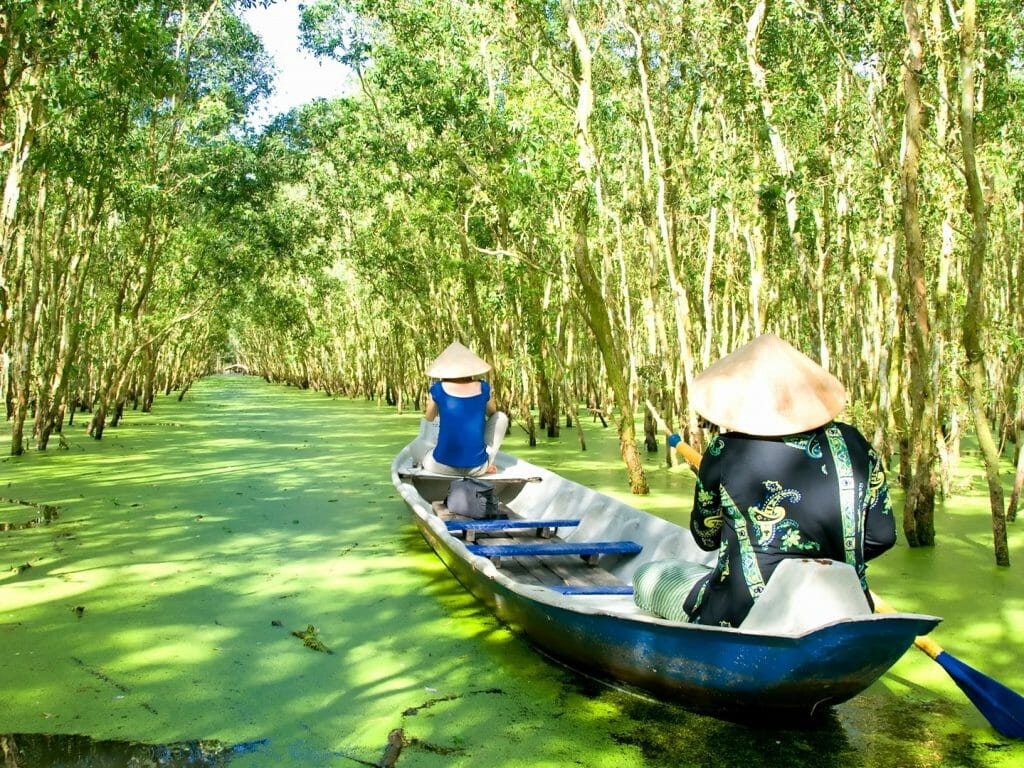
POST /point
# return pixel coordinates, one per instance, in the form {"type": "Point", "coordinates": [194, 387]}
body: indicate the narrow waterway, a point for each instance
{"type": "Point", "coordinates": [232, 579]}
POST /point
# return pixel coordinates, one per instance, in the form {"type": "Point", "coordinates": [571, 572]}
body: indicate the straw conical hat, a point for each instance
{"type": "Point", "coordinates": [767, 387]}
{"type": "Point", "coordinates": [456, 362]}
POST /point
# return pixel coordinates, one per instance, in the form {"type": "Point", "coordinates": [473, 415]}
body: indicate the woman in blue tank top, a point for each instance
{"type": "Point", "coordinates": [471, 428]}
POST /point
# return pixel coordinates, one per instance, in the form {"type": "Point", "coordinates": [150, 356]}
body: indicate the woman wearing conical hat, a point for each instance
{"type": "Point", "coordinates": [470, 426]}
{"type": "Point", "coordinates": [782, 479]}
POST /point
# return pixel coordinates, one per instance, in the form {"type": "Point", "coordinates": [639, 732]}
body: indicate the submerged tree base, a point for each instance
{"type": "Point", "coordinates": [40, 750]}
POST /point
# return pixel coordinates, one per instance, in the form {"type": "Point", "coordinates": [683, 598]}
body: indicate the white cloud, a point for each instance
{"type": "Point", "coordinates": [301, 77]}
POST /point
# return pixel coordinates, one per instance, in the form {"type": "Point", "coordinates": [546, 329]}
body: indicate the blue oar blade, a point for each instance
{"type": "Point", "coordinates": [1002, 707]}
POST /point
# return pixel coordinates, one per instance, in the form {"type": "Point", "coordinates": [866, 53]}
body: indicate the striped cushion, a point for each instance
{"type": "Point", "coordinates": [661, 586]}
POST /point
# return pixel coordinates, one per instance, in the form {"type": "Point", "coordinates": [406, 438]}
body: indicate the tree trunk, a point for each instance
{"type": "Point", "coordinates": [974, 308]}
{"type": "Point", "coordinates": [785, 169]}
{"type": "Point", "coordinates": [919, 507]}
{"type": "Point", "coordinates": [31, 310]}
{"type": "Point", "coordinates": [531, 424]}
{"type": "Point", "coordinates": [595, 305]}
{"type": "Point", "coordinates": [601, 325]}
{"type": "Point", "coordinates": [1018, 484]}
{"type": "Point", "coordinates": [118, 413]}
{"type": "Point", "coordinates": [98, 422]}
{"type": "Point", "coordinates": [149, 383]}
{"type": "Point", "coordinates": [650, 433]}
{"type": "Point", "coordinates": [579, 426]}
{"type": "Point", "coordinates": [659, 239]}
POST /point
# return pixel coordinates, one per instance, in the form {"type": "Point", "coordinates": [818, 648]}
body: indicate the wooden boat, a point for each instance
{"type": "Point", "coordinates": [559, 571]}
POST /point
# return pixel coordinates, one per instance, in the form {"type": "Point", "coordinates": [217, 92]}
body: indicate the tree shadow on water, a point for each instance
{"type": "Point", "coordinates": [878, 734]}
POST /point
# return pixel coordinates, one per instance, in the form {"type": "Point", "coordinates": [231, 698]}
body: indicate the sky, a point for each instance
{"type": "Point", "coordinates": [301, 77]}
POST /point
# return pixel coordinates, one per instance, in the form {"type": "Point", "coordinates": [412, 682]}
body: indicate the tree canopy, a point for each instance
{"type": "Point", "coordinates": [601, 197]}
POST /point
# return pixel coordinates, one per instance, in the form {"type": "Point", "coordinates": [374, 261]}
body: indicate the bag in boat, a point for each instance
{"type": "Point", "coordinates": [473, 498]}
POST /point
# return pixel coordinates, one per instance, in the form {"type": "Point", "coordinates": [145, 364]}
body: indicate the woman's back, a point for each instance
{"type": "Point", "coordinates": [462, 408]}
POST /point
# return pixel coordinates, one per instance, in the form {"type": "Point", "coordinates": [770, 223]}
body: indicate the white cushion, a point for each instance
{"type": "Point", "coordinates": [805, 594]}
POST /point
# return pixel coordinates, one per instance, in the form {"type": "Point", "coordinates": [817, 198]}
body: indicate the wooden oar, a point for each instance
{"type": "Point", "coordinates": [685, 449]}
{"type": "Point", "coordinates": [1002, 707]}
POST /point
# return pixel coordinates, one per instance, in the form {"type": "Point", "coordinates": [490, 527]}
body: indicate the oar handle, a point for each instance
{"type": "Point", "coordinates": [926, 644]}
{"type": "Point", "coordinates": [684, 449]}
{"type": "Point", "coordinates": [689, 453]}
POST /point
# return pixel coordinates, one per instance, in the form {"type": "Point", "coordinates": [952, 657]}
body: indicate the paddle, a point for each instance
{"type": "Point", "coordinates": [1002, 707]}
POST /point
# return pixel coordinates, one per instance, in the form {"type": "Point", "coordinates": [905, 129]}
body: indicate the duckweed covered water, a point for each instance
{"type": "Point", "coordinates": [198, 546]}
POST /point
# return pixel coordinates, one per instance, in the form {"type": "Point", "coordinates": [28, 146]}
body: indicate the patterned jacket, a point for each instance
{"type": "Point", "coordinates": [761, 499]}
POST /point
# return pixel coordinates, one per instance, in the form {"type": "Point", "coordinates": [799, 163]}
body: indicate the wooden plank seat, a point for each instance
{"type": "Point", "coordinates": [590, 551]}
{"type": "Point", "coordinates": [470, 528]}
{"type": "Point", "coordinates": [592, 589]}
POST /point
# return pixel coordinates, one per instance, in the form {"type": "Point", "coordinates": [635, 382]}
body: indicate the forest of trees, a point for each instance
{"type": "Point", "coordinates": [599, 196]}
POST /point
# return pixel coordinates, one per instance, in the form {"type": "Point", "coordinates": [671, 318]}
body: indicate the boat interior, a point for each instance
{"type": "Point", "coordinates": [582, 547]}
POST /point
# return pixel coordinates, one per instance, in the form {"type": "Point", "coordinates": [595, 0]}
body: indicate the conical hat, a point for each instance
{"type": "Point", "coordinates": [456, 362]}
{"type": "Point", "coordinates": [767, 387]}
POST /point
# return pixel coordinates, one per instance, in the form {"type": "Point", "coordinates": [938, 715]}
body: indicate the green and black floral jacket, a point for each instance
{"type": "Point", "coordinates": [761, 499]}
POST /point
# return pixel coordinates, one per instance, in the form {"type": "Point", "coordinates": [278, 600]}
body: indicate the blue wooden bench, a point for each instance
{"type": "Point", "coordinates": [590, 551]}
{"type": "Point", "coordinates": [592, 589]}
{"type": "Point", "coordinates": [544, 528]}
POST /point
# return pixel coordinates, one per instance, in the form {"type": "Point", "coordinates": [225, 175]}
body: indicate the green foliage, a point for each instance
{"type": "Point", "coordinates": [352, 238]}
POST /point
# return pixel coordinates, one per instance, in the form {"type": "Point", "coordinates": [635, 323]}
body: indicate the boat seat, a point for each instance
{"type": "Point", "coordinates": [418, 473]}
{"type": "Point", "coordinates": [590, 551]}
{"type": "Point", "coordinates": [592, 589]}
{"type": "Point", "coordinates": [545, 528]}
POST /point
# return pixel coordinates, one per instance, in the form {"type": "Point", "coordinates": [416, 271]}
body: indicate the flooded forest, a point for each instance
{"type": "Point", "coordinates": [600, 197]}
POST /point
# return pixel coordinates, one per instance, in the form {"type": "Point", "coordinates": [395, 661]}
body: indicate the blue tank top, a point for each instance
{"type": "Point", "coordinates": [460, 440]}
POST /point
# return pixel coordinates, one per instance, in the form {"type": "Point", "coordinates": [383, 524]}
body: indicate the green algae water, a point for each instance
{"type": "Point", "coordinates": [237, 571]}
